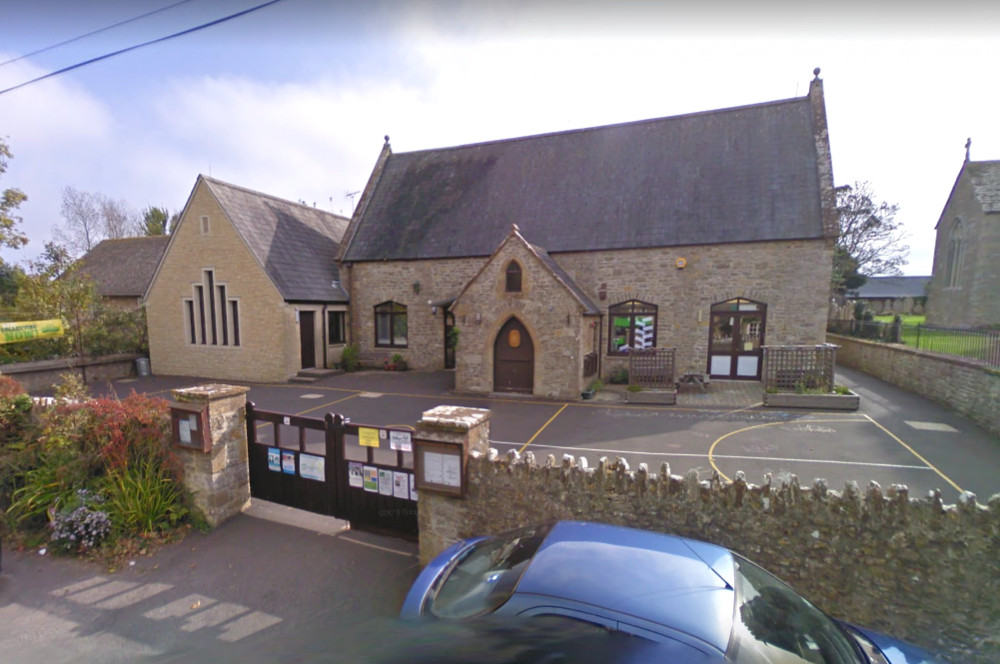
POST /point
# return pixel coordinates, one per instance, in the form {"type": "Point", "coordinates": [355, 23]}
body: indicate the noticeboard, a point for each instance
{"type": "Point", "coordinates": [439, 467]}
{"type": "Point", "coordinates": [189, 422]}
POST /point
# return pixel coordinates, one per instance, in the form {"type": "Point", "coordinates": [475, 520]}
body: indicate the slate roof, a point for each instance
{"type": "Point", "coordinates": [733, 175]}
{"type": "Point", "coordinates": [125, 266]}
{"type": "Point", "coordinates": [295, 244]}
{"type": "Point", "coordinates": [985, 177]}
{"type": "Point", "coordinates": [893, 287]}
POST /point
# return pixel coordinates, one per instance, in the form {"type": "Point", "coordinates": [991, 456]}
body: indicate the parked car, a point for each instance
{"type": "Point", "coordinates": [705, 602]}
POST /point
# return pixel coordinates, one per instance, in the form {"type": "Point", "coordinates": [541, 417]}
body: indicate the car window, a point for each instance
{"type": "Point", "coordinates": [486, 576]}
{"type": "Point", "coordinates": [775, 624]}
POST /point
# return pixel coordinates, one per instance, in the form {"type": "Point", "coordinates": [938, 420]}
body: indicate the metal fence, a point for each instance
{"type": "Point", "coordinates": [980, 345]}
{"type": "Point", "coordinates": [651, 368]}
{"type": "Point", "coordinates": [799, 368]}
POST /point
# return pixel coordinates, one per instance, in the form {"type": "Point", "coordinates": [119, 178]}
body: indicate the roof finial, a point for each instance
{"type": "Point", "coordinates": [816, 73]}
{"type": "Point", "coordinates": [968, 144]}
{"type": "Point", "coordinates": [387, 139]}
{"type": "Point", "coordinates": [514, 228]}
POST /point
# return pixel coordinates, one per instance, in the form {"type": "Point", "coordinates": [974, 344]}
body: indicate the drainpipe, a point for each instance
{"type": "Point", "coordinates": [326, 339]}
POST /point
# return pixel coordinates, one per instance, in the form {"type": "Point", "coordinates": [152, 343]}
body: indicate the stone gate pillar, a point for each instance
{"type": "Point", "coordinates": [219, 476]}
{"type": "Point", "coordinates": [439, 515]}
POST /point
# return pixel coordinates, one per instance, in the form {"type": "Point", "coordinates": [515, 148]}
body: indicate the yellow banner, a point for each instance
{"type": "Point", "coordinates": [30, 330]}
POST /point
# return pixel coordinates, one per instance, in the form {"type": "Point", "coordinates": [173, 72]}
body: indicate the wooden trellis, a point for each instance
{"type": "Point", "coordinates": [651, 368]}
{"type": "Point", "coordinates": [799, 368]}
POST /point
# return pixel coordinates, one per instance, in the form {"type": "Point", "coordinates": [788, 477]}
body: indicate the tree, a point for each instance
{"type": "Point", "coordinates": [9, 275]}
{"type": "Point", "coordinates": [90, 218]}
{"type": "Point", "coordinates": [10, 200]}
{"type": "Point", "coordinates": [158, 221]}
{"type": "Point", "coordinates": [871, 240]}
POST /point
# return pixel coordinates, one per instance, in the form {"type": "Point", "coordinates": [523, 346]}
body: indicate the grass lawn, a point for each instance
{"type": "Point", "coordinates": [907, 320]}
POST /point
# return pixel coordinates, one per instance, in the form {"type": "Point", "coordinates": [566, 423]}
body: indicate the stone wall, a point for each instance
{"type": "Point", "coordinates": [917, 569]}
{"type": "Point", "coordinates": [44, 375]}
{"type": "Point", "coordinates": [792, 278]}
{"type": "Point", "coordinates": [550, 313]}
{"type": "Point", "coordinates": [967, 387]}
{"type": "Point", "coordinates": [413, 283]}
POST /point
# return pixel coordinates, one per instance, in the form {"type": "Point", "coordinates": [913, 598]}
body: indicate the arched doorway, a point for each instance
{"type": "Point", "coordinates": [513, 359]}
{"type": "Point", "coordinates": [736, 339]}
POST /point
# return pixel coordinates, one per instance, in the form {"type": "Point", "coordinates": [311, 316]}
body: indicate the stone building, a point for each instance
{"type": "Point", "coordinates": [555, 255]}
{"type": "Point", "coordinates": [965, 286]}
{"type": "Point", "coordinates": [893, 295]}
{"type": "Point", "coordinates": [247, 288]}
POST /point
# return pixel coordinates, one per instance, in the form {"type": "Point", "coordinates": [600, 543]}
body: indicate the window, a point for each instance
{"type": "Point", "coordinates": [204, 225]}
{"type": "Point", "coordinates": [513, 277]}
{"type": "Point", "coordinates": [775, 624]}
{"type": "Point", "coordinates": [632, 325]}
{"type": "Point", "coordinates": [956, 254]}
{"type": "Point", "coordinates": [336, 327]}
{"type": "Point", "coordinates": [211, 317]}
{"type": "Point", "coordinates": [390, 325]}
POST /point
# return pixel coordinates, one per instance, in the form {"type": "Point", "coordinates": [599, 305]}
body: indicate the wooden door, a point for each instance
{"type": "Point", "coordinates": [513, 359]}
{"type": "Point", "coordinates": [307, 338]}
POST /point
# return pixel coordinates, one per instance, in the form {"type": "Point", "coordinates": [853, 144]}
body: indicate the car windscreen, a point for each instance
{"type": "Point", "coordinates": [485, 577]}
{"type": "Point", "coordinates": [775, 624]}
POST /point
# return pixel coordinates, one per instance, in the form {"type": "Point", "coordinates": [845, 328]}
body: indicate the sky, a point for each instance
{"type": "Point", "coordinates": [295, 99]}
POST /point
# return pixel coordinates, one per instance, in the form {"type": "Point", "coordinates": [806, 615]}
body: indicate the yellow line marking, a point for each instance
{"type": "Point", "coordinates": [711, 449]}
{"type": "Point", "coordinates": [532, 439]}
{"type": "Point", "coordinates": [326, 405]}
{"type": "Point", "coordinates": [309, 410]}
{"type": "Point", "coordinates": [916, 454]}
{"type": "Point", "coordinates": [401, 426]}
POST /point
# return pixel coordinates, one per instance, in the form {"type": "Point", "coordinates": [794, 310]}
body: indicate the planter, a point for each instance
{"type": "Point", "coordinates": [588, 394]}
{"type": "Point", "coordinates": [849, 401]}
{"type": "Point", "coordinates": [662, 397]}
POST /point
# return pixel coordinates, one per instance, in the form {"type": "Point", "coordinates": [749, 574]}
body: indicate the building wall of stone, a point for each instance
{"type": "Point", "coordinates": [269, 339]}
{"type": "Point", "coordinates": [792, 278]}
{"type": "Point", "coordinates": [974, 301]}
{"type": "Point", "coordinates": [413, 283]}
{"type": "Point", "coordinates": [852, 552]}
{"type": "Point", "coordinates": [547, 309]}
{"type": "Point", "coordinates": [967, 387]}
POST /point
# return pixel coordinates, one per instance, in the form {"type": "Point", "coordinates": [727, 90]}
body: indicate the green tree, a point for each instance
{"type": "Point", "coordinates": [9, 275]}
{"type": "Point", "coordinates": [53, 288]}
{"type": "Point", "coordinates": [10, 200]}
{"type": "Point", "coordinates": [871, 241]}
{"type": "Point", "coordinates": [158, 221]}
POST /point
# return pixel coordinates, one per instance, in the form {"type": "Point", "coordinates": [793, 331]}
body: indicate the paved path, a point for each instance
{"type": "Point", "coordinates": [253, 590]}
{"type": "Point", "coordinates": [895, 438]}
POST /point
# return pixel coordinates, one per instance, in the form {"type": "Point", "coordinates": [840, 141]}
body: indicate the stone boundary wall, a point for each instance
{"type": "Point", "coordinates": [967, 387]}
{"type": "Point", "coordinates": [917, 569]}
{"type": "Point", "coordinates": [43, 375]}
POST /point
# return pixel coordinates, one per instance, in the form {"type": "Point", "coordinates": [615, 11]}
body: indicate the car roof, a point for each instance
{"type": "Point", "coordinates": [668, 580]}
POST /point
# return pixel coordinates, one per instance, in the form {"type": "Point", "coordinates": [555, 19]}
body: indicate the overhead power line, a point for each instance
{"type": "Point", "coordinates": [92, 32]}
{"type": "Point", "coordinates": [134, 47]}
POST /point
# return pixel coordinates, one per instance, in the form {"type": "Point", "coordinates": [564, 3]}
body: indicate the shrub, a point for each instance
{"type": "Point", "coordinates": [83, 527]}
{"type": "Point", "coordinates": [52, 484]}
{"type": "Point", "coordinates": [15, 410]}
{"type": "Point", "coordinates": [618, 376]}
{"type": "Point", "coordinates": [349, 359]}
{"type": "Point", "coordinates": [143, 498]}
{"type": "Point", "coordinates": [9, 387]}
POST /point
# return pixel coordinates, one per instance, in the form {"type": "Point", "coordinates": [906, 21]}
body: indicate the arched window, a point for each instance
{"type": "Point", "coordinates": [390, 325]}
{"type": "Point", "coordinates": [513, 277]}
{"type": "Point", "coordinates": [632, 325]}
{"type": "Point", "coordinates": [956, 254]}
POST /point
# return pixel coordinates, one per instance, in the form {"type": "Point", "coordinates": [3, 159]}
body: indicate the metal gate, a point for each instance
{"type": "Point", "coordinates": [360, 473]}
